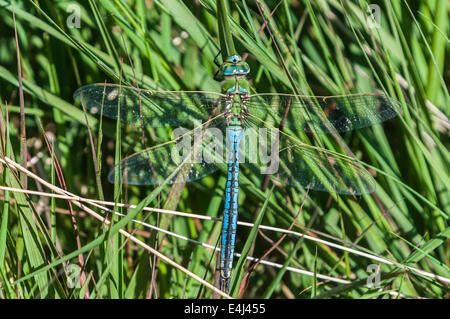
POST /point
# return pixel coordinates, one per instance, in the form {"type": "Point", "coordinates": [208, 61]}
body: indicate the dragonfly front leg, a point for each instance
{"type": "Point", "coordinates": [216, 62]}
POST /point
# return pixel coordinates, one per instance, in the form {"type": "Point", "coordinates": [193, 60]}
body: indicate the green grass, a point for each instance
{"type": "Point", "coordinates": [313, 47]}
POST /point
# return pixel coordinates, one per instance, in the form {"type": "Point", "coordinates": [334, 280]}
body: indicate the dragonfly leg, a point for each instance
{"type": "Point", "coordinates": [215, 59]}
{"type": "Point", "coordinates": [217, 75]}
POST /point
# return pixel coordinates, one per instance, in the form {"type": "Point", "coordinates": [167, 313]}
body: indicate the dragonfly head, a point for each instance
{"type": "Point", "coordinates": [234, 66]}
{"type": "Point", "coordinates": [234, 59]}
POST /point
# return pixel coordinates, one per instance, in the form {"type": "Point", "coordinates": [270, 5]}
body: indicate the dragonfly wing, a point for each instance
{"type": "Point", "coordinates": [190, 156]}
{"type": "Point", "coordinates": [322, 114]}
{"type": "Point", "coordinates": [155, 108]}
{"type": "Point", "coordinates": [290, 162]}
{"type": "Point", "coordinates": [318, 169]}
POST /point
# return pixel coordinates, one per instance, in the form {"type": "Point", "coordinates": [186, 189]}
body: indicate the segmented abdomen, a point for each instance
{"type": "Point", "coordinates": [234, 135]}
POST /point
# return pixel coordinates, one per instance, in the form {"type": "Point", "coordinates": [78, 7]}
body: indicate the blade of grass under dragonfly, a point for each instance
{"type": "Point", "coordinates": [225, 35]}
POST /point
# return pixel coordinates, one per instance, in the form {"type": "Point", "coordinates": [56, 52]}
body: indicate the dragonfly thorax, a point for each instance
{"type": "Point", "coordinates": [236, 111]}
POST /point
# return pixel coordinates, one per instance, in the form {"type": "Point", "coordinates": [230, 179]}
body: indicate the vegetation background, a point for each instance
{"type": "Point", "coordinates": [318, 47]}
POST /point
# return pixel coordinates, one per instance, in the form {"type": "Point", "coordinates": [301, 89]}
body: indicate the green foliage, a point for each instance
{"type": "Point", "coordinates": [302, 46]}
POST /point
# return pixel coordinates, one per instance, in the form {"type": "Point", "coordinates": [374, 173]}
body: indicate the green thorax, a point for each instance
{"type": "Point", "coordinates": [233, 72]}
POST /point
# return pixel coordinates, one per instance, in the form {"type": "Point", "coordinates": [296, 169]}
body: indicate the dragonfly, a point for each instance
{"type": "Point", "coordinates": [221, 130]}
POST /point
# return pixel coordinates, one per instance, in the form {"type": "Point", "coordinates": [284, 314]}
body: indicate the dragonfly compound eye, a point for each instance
{"type": "Point", "coordinates": [234, 59]}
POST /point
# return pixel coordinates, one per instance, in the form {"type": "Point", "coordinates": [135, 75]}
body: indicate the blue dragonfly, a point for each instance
{"type": "Point", "coordinates": [235, 127]}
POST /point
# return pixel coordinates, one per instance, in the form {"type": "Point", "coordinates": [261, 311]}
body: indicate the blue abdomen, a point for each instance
{"type": "Point", "coordinates": [234, 135]}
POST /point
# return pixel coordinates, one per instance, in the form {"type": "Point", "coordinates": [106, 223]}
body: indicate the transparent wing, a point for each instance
{"type": "Point", "coordinates": [321, 114]}
{"type": "Point", "coordinates": [156, 108]}
{"type": "Point", "coordinates": [291, 162]}
{"type": "Point", "coordinates": [191, 155]}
